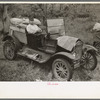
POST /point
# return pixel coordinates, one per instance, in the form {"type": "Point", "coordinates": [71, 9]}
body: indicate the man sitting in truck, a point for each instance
{"type": "Point", "coordinates": [34, 26]}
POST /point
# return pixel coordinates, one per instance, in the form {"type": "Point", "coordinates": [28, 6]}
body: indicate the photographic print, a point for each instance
{"type": "Point", "coordinates": [49, 42]}
{"type": "Point", "coordinates": [49, 50]}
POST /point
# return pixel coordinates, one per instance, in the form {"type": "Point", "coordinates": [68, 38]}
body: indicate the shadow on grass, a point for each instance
{"type": "Point", "coordinates": [81, 74]}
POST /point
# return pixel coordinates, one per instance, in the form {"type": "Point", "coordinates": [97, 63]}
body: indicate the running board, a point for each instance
{"type": "Point", "coordinates": [35, 55]}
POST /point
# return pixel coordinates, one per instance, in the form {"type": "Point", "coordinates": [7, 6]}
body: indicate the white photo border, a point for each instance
{"type": "Point", "coordinates": [41, 90]}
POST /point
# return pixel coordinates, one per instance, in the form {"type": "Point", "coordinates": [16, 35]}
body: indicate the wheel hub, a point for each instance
{"type": "Point", "coordinates": [87, 60]}
{"type": "Point", "coordinates": [61, 69]}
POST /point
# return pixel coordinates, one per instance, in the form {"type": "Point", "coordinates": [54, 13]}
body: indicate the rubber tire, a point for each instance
{"type": "Point", "coordinates": [4, 47]}
{"type": "Point", "coordinates": [69, 69]}
{"type": "Point", "coordinates": [95, 61]}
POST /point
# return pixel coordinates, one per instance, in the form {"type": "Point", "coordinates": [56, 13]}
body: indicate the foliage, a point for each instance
{"type": "Point", "coordinates": [51, 11]}
{"type": "Point", "coordinates": [47, 11]}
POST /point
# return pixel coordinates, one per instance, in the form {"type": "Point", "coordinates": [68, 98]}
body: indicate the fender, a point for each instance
{"type": "Point", "coordinates": [16, 41]}
{"type": "Point", "coordinates": [65, 54]}
{"type": "Point", "coordinates": [7, 37]}
{"type": "Point", "coordinates": [89, 47]}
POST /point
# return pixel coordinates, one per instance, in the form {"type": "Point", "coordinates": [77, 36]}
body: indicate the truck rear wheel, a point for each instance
{"type": "Point", "coordinates": [9, 50]}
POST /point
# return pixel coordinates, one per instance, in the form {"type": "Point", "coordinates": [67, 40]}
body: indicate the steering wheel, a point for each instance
{"type": "Point", "coordinates": [37, 34]}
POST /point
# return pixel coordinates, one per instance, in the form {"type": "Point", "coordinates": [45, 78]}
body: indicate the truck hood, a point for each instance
{"type": "Point", "coordinates": [67, 42]}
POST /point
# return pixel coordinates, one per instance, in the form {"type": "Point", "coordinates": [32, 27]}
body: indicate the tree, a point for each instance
{"type": "Point", "coordinates": [43, 8]}
{"type": "Point", "coordinates": [4, 18]}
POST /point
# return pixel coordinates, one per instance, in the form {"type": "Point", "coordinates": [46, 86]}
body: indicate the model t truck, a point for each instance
{"type": "Point", "coordinates": [61, 53]}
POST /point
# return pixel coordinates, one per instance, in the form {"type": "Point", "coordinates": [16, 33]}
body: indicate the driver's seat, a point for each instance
{"type": "Point", "coordinates": [34, 40]}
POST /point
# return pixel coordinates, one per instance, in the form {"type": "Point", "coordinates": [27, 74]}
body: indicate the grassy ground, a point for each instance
{"type": "Point", "coordinates": [80, 28]}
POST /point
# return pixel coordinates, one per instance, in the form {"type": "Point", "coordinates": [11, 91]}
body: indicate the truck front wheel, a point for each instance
{"type": "Point", "coordinates": [62, 70]}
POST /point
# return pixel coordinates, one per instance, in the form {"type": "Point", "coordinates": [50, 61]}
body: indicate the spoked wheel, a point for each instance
{"type": "Point", "coordinates": [62, 70]}
{"type": "Point", "coordinates": [89, 61]}
{"type": "Point", "coordinates": [9, 50]}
